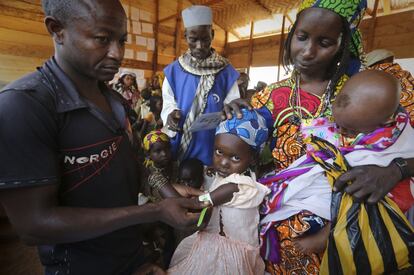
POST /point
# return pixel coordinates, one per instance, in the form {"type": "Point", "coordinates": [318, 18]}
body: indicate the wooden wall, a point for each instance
{"type": "Point", "coordinates": [393, 32]}
{"type": "Point", "coordinates": [25, 43]}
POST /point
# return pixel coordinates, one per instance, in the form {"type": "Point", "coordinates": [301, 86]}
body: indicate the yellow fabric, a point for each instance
{"type": "Point", "coordinates": [153, 137]}
{"type": "Point", "coordinates": [396, 225]}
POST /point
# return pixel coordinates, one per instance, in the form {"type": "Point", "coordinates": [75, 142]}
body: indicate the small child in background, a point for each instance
{"type": "Point", "coordinates": [229, 244]}
{"type": "Point", "coordinates": [127, 86]}
{"type": "Point", "coordinates": [159, 163]}
{"type": "Point", "coordinates": [152, 121]}
{"type": "Point", "coordinates": [157, 148]}
{"type": "Point", "coordinates": [191, 173]}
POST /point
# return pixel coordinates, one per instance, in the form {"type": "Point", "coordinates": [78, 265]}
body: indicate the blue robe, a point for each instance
{"type": "Point", "coordinates": [184, 86]}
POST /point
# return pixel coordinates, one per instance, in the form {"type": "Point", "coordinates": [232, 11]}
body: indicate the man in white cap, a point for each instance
{"type": "Point", "coordinates": [200, 81]}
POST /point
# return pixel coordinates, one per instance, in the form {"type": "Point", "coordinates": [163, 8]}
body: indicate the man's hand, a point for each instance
{"type": "Point", "coordinates": [173, 120]}
{"type": "Point", "coordinates": [235, 105]}
{"type": "Point", "coordinates": [369, 182]}
{"type": "Point", "coordinates": [175, 212]}
{"type": "Point", "coordinates": [187, 191]}
{"type": "Point", "coordinates": [149, 269]}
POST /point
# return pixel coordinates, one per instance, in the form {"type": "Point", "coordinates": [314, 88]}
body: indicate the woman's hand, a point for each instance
{"type": "Point", "coordinates": [235, 105]}
{"type": "Point", "coordinates": [369, 182]}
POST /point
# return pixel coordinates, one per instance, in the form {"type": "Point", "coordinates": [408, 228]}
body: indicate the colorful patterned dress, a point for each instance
{"type": "Point", "coordinates": [277, 100]}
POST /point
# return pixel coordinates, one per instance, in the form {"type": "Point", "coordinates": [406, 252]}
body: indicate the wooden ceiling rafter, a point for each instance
{"type": "Point", "coordinates": [260, 4]}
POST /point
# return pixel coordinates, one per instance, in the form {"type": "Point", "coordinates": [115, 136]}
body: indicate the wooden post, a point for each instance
{"type": "Point", "coordinates": [371, 34]}
{"type": "Point", "coordinates": [178, 32]}
{"type": "Point", "coordinates": [250, 47]}
{"type": "Point", "coordinates": [226, 38]}
{"type": "Point", "coordinates": [282, 41]}
{"type": "Point", "coordinates": [386, 4]}
{"type": "Point", "coordinates": [155, 55]}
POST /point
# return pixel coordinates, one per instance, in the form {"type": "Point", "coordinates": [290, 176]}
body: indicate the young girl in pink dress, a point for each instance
{"type": "Point", "coordinates": [229, 244]}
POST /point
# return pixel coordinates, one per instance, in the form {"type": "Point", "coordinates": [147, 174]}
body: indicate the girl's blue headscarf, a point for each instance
{"type": "Point", "coordinates": [251, 128]}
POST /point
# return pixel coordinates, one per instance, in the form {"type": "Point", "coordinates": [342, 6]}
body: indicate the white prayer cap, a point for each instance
{"type": "Point", "coordinates": [378, 55]}
{"type": "Point", "coordinates": [125, 72]}
{"type": "Point", "coordinates": [197, 16]}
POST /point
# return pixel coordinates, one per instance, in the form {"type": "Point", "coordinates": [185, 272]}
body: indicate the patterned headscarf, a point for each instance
{"type": "Point", "coordinates": [352, 10]}
{"type": "Point", "coordinates": [251, 128]}
{"type": "Point", "coordinates": [153, 137]}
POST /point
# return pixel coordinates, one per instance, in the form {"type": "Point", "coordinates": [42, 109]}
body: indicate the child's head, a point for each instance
{"type": "Point", "coordinates": [238, 142]}
{"type": "Point", "coordinates": [157, 148]}
{"type": "Point", "coordinates": [146, 93]}
{"type": "Point", "coordinates": [367, 101]}
{"type": "Point", "coordinates": [156, 104]}
{"type": "Point", "coordinates": [191, 172]}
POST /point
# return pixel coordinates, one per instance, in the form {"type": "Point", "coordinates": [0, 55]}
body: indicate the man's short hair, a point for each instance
{"type": "Point", "coordinates": [64, 10]}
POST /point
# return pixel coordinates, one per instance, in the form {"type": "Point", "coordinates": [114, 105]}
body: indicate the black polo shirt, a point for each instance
{"type": "Point", "coordinates": [49, 134]}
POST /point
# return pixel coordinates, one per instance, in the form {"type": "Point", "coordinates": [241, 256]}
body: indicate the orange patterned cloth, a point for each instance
{"type": "Point", "coordinates": [407, 84]}
{"type": "Point", "coordinates": [293, 261]}
{"type": "Point", "coordinates": [277, 99]}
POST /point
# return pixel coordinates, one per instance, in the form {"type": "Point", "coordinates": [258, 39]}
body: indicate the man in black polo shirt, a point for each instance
{"type": "Point", "coordinates": [68, 165]}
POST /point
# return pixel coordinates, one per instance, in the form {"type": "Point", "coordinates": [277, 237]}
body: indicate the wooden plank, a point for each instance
{"type": "Point", "coordinates": [178, 30]}
{"type": "Point", "coordinates": [394, 40]}
{"type": "Point", "coordinates": [22, 5]}
{"type": "Point", "coordinates": [372, 27]}
{"type": "Point", "coordinates": [250, 47]}
{"type": "Point", "coordinates": [24, 37]}
{"type": "Point", "coordinates": [155, 56]}
{"type": "Point", "coordinates": [10, 11]}
{"type": "Point", "coordinates": [20, 49]}
{"type": "Point", "coordinates": [22, 24]}
{"type": "Point", "coordinates": [282, 39]}
{"type": "Point", "coordinates": [386, 5]}
{"type": "Point", "coordinates": [137, 64]}
{"type": "Point", "coordinates": [166, 30]}
{"type": "Point", "coordinates": [14, 67]}
{"type": "Point", "coordinates": [172, 16]}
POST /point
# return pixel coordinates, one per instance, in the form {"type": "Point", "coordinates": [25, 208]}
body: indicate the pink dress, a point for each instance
{"type": "Point", "coordinates": [235, 252]}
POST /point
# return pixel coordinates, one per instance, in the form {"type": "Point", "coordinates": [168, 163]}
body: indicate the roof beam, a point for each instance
{"type": "Point", "coordinates": [260, 4]}
{"type": "Point", "coordinates": [209, 3]}
{"type": "Point", "coordinates": [289, 19]}
{"type": "Point", "coordinates": [250, 47]}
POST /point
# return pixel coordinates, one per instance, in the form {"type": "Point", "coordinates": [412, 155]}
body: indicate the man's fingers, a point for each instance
{"type": "Point", "coordinates": [375, 197]}
{"type": "Point", "coordinates": [192, 203]}
{"type": "Point", "coordinates": [353, 187]}
{"type": "Point", "coordinates": [177, 114]}
{"type": "Point", "coordinates": [236, 109]}
{"type": "Point", "coordinates": [244, 104]}
{"type": "Point", "coordinates": [343, 180]}
{"type": "Point", "coordinates": [226, 112]}
{"type": "Point", "coordinates": [193, 191]}
{"type": "Point", "coordinates": [360, 195]}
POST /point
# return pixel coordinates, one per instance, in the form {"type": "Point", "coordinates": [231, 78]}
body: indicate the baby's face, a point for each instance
{"type": "Point", "coordinates": [190, 177]}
